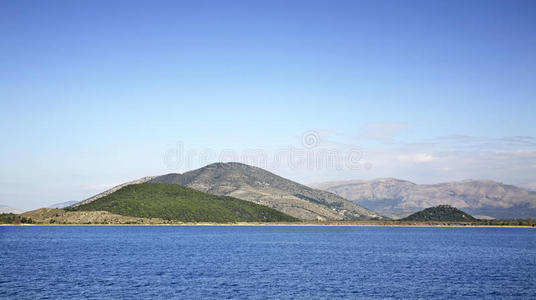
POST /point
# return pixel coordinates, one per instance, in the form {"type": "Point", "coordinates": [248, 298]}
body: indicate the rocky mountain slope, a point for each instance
{"type": "Point", "coordinates": [399, 198]}
{"type": "Point", "coordinates": [62, 216]}
{"type": "Point", "coordinates": [179, 203]}
{"type": "Point", "coordinates": [108, 192]}
{"type": "Point", "coordinates": [262, 187]}
{"type": "Point", "coordinates": [441, 213]}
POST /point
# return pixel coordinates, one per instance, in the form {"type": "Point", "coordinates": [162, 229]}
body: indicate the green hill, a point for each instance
{"type": "Point", "coordinates": [259, 186]}
{"type": "Point", "coordinates": [10, 218]}
{"type": "Point", "coordinates": [178, 203]}
{"type": "Point", "coordinates": [443, 213]}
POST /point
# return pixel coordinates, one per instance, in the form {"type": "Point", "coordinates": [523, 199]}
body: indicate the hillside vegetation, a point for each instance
{"type": "Point", "coordinates": [178, 203]}
{"type": "Point", "coordinates": [443, 213]}
{"type": "Point", "coordinates": [10, 218]}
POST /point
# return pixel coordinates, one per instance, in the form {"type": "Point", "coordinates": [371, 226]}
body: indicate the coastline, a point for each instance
{"type": "Point", "coordinates": [60, 217]}
{"type": "Point", "coordinates": [328, 224]}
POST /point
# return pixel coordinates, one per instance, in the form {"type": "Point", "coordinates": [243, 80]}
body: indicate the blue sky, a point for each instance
{"type": "Point", "coordinates": [95, 93]}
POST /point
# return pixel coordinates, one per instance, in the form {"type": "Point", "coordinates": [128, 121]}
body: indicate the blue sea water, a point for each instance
{"type": "Point", "coordinates": [204, 262]}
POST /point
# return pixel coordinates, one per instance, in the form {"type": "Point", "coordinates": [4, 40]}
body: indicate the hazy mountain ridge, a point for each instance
{"type": "Point", "coordinates": [4, 209]}
{"type": "Point", "coordinates": [262, 187]}
{"type": "Point", "coordinates": [531, 186]}
{"type": "Point", "coordinates": [398, 198]}
{"type": "Point", "coordinates": [63, 204]}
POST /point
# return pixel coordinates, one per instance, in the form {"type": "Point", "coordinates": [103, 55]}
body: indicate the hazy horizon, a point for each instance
{"type": "Point", "coordinates": [98, 93]}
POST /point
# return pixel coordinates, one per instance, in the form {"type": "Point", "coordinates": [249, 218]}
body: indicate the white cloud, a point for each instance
{"type": "Point", "coordinates": [417, 157]}
{"type": "Point", "coordinates": [510, 159]}
{"type": "Point", "coordinates": [509, 166]}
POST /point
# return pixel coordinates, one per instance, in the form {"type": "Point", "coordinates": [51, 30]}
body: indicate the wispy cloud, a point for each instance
{"type": "Point", "coordinates": [440, 163]}
{"type": "Point", "coordinates": [417, 157]}
{"type": "Point", "coordinates": [383, 131]}
{"type": "Point", "coordinates": [510, 159]}
{"type": "Point", "coordinates": [485, 143]}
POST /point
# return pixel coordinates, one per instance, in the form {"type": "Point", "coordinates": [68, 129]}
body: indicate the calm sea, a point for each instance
{"type": "Point", "coordinates": [204, 262]}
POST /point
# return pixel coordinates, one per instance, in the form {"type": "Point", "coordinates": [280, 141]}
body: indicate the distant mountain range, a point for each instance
{"type": "Point", "coordinates": [261, 187]}
{"type": "Point", "coordinates": [397, 198]}
{"type": "Point", "coordinates": [531, 186]}
{"type": "Point", "coordinates": [9, 210]}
